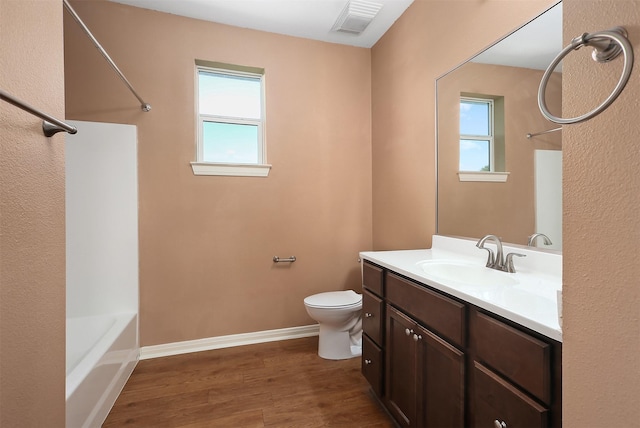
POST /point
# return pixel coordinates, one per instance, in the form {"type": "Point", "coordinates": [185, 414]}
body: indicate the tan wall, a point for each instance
{"type": "Point", "coordinates": [601, 227]}
{"type": "Point", "coordinates": [207, 243]}
{"type": "Point", "coordinates": [32, 249]}
{"type": "Point", "coordinates": [430, 38]}
{"type": "Point", "coordinates": [503, 209]}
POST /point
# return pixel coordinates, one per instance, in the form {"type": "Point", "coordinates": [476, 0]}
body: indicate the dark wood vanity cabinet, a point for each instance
{"type": "Point", "coordinates": [437, 361]}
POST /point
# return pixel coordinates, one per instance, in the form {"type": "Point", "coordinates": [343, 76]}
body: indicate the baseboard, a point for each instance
{"type": "Point", "coordinates": [207, 344]}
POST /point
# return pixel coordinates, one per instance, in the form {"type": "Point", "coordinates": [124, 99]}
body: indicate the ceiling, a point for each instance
{"type": "Point", "coordinates": [311, 19]}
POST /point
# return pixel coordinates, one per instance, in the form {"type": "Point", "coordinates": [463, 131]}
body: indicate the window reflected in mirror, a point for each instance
{"type": "Point", "coordinates": [481, 128]}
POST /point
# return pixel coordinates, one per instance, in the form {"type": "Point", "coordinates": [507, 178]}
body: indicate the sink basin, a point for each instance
{"type": "Point", "coordinates": [466, 273]}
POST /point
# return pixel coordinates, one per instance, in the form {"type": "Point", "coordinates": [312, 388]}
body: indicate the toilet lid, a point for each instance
{"type": "Point", "coordinates": [334, 299]}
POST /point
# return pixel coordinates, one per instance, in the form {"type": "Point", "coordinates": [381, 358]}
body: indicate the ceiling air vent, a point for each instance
{"type": "Point", "coordinates": [356, 15]}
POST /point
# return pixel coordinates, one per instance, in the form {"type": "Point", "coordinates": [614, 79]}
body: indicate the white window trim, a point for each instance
{"type": "Point", "coordinates": [231, 169]}
{"type": "Point", "coordinates": [490, 136]}
{"type": "Point", "coordinates": [487, 176]}
{"type": "Point", "coordinates": [199, 167]}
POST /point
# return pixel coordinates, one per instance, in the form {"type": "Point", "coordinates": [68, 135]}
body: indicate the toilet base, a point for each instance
{"type": "Point", "coordinates": [336, 345]}
{"type": "Point", "coordinates": [356, 350]}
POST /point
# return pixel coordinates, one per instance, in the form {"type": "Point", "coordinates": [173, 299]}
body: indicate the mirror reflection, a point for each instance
{"type": "Point", "coordinates": [499, 160]}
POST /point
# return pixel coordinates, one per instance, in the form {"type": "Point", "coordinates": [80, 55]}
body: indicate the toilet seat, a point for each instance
{"type": "Point", "coordinates": [334, 299]}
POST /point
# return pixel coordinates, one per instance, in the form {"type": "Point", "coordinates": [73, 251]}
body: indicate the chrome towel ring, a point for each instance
{"type": "Point", "coordinates": [607, 46]}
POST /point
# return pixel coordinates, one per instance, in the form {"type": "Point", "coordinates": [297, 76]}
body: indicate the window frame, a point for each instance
{"type": "Point", "coordinates": [202, 167]}
{"type": "Point", "coordinates": [491, 131]}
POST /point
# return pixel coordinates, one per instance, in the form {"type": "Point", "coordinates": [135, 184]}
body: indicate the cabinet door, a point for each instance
{"type": "Point", "coordinates": [372, 365]}
{"type": "Point", "coordinates": [441, 381]}
{"type": "Point", "coordinates": [498, 403]}
{"type": "Point", "coordinates": [400, 356]}
{"type": "Point", "coordinates": [372, 313]}
{"type": "Point", "coordinates": [519, 357]}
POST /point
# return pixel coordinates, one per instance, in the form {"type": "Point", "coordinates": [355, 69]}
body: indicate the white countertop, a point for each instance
{"type": "Point", "coordinates": [532, 301]}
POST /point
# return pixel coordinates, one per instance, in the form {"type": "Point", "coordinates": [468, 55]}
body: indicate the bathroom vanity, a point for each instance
{"type": "Point", "coordinates": [450, 343]}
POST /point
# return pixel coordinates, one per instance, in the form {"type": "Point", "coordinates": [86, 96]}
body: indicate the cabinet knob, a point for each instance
{"type": "Point", "coordinates": [367, 362]}
{"type": "Point", "coordinates": [499, 424]}
{"type": "Point", "coordinates": [417, 337]}
{"type": "Point", "coordinates": [368, 315]}
{"type": "Point", "coordinates": [408, 332]}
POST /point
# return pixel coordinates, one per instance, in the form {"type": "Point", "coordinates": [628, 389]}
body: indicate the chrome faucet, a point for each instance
{"type": "Point", "coordinates": [498, 262]}
{"type": "Point", "coordinates": [533, 237]}
{"type": "Point", "coordinates": [493, 262]}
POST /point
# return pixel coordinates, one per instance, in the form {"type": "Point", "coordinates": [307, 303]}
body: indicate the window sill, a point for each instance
{"type": "Point", "coordinates": [491, 177]}
{"type": "Point", "coordinates": [237, 170]}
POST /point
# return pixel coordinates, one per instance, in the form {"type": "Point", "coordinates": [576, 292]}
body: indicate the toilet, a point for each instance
{"type": "Point", "coordinates": [338, 313]}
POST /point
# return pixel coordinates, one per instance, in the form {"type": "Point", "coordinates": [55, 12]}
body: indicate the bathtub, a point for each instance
{"type": "Point", "coordinates": [102, 351]}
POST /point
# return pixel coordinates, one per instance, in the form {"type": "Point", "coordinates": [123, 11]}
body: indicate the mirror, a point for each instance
{"type": "Point", "coordinates": [504, 178]}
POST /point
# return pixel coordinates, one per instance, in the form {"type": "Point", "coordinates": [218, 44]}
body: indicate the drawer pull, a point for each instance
{"type": "Point", "coordinates": [408, 332]}
{"type": "Point", "coordinates": [499, 424]}
{"type": "Point", "coordinates": [417, 337]}
{"type": "Point", "coordinates": [367, 362]}
{"type": "Point", "coordinates": [368, 315]}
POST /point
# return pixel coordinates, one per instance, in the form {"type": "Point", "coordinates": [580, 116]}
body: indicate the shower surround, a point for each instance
{"type": "Point", "coordinates": [102, 268]}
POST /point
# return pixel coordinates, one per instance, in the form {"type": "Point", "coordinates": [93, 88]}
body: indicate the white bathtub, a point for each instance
{"type": "Point", "coordinates": [102, 351]}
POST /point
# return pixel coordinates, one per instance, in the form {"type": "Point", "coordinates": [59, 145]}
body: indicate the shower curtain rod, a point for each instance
{"type": "Point", "coordinates": [544, 132]}
{"type": "Point", "coordinates": [50, 125]}
{"type": "Point", "coordinates": [145, 106]}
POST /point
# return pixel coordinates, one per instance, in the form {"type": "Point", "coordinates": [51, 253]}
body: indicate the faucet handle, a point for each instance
{"type": "Point", "coordinates": [508, 263]}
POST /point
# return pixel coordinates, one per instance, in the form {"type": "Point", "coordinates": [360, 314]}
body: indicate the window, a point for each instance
{"type": "Point", "coordinates": [476, 134]}
{"type": "Point", "coordinates": [230, 120]}
{"type": "Point", "coordinates": [482, 138]}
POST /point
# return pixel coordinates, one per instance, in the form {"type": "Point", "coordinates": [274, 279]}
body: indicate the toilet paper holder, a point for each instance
{"type": "Point", "coordinates": [277, 259]}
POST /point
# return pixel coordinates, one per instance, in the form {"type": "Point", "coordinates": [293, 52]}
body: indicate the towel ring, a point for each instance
{"type": "Point", "coordinates": [607, 46]}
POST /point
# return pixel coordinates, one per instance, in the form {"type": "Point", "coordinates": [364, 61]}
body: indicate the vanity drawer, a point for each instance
{"type": "Point", "coordinates": [372, 278]}
{"type": "Point", "coordinates": [444, 316]}
{"type": "Point", "coordinates": [372, 316]}
{"type": "Point", "coordinates": [372, 365]}
{"type": "Point", "coordinates": [518, 356]}
{"type": "Point", "coordinates": [496, 402]}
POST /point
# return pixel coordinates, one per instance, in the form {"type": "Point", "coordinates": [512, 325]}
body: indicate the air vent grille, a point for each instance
{"type": "Point", "coordinates": [356, 16]}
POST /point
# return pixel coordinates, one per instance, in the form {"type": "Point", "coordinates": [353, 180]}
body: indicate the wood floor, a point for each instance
{"type": "Point", "coordinates": [277, 384]}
